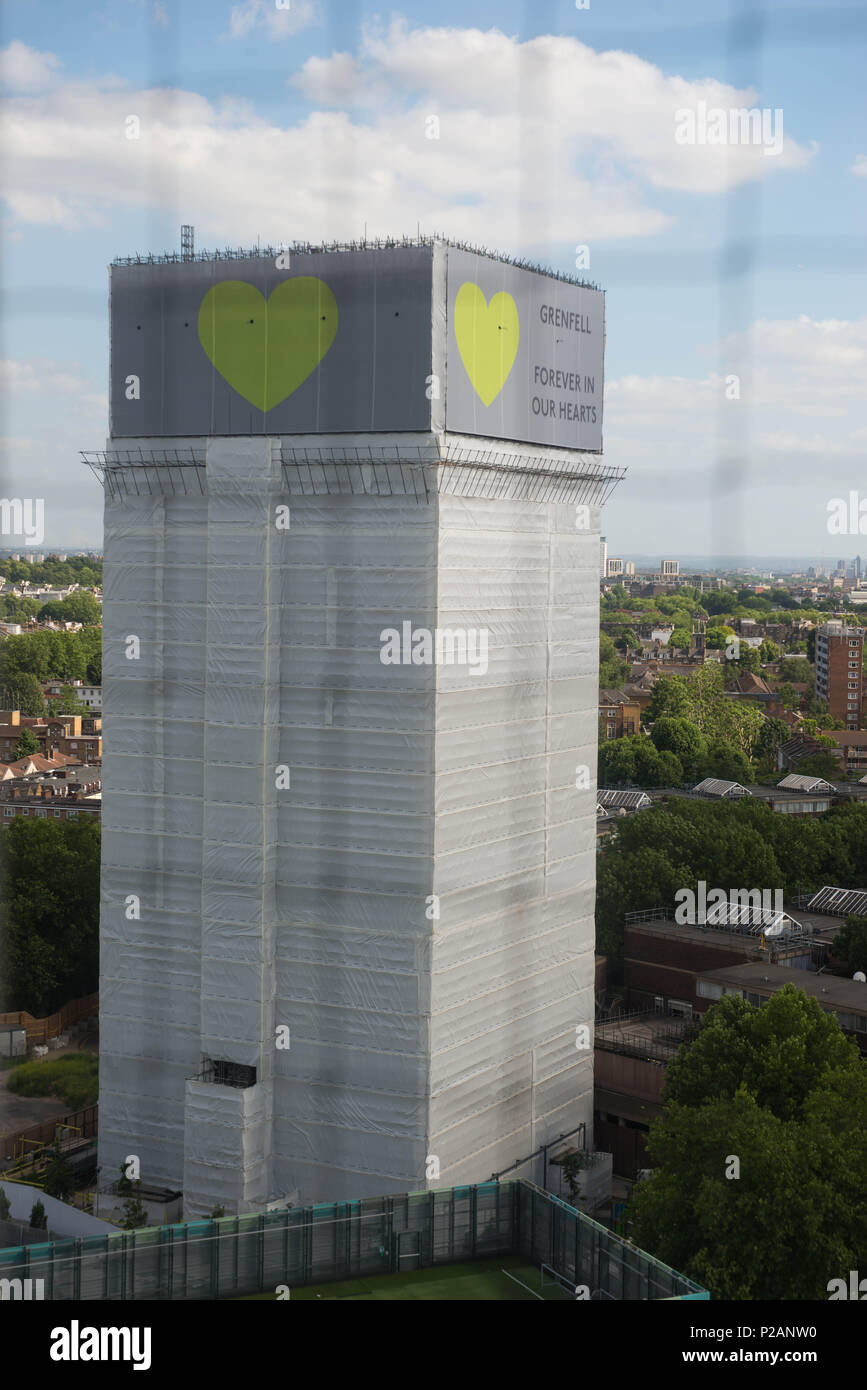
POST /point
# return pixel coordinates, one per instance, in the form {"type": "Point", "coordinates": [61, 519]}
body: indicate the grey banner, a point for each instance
{"type": "Point", "coordinates": [343, 346]}
{"type": "Point", "coordinates": [343, 342]}
{"type": "Point", "coordinates": [525, 355]}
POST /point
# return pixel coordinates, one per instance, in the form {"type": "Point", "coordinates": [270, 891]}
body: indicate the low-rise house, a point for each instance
{"type": "Point", "coordinates": [72, 793]}
{"type": "Point", "coordinates": [620, 715]}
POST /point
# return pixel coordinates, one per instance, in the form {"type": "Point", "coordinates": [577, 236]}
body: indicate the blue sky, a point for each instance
{"type": "Point", "coordinates": [557, 130]}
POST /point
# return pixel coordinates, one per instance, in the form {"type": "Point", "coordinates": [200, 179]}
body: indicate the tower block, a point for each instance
{"type": "Point", "coordinates": [352, 540]}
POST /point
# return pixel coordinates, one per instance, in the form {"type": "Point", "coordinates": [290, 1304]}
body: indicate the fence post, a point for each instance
{"type": "Point", "coordinates": [473, 1211]}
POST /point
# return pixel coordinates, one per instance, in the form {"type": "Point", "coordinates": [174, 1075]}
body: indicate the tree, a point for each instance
{"type": "Point", "coordinates": [682, 738]}
{"type": "Point", "coordinates": [58, 1180]}
{"type": "Point", "coordinates": [38, 1219]}
{"type": "Point", "coordinates": [781, 1052]}
{"type": "Point", "coordinates": [82, 608]}
{"type": "Point", "coordinates": [772, 733]}
{"type": "Point", "coordinates": [798, 668]}
{"type": "Point", "coordinates": [769, 651]}
{"type": "Point", "coordinates": [782, 1091]}
{"type": "Point", "coordinates": [680, 638]}
{"type": "Point", "coordinates": [789, 696]}
{"type": "Point", "coordinates": [134, 1214]}
{"type": "Point", "coordinates": [747, 661]}
{"type": "Point", "coordinates": [70, 703]}
{"type": "Point", "coordinates": [850, 945]}
{"type": "Point", "coordinates": [24, 693]}
{"type": "Point", "coordinates": [618, 596]}
{"type": "Point", "coordinates": [49, 903]}
{"type": "Point", "coordinates": [726, 761]}
{"type": "Point", "coordinates": [571, 1166]}
{"type": "Point", "coordinates": [612, 670]}
{"type": "Point", "coordinates": [821, 764]}
{"type": "Point", "coordinates": [27, 743]}
{"type": "Point", "coordinates": [616, 763]}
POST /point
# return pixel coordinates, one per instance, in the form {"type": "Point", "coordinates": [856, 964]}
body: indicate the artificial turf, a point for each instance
{"type": "Point", "coordinates": [483, 1280]}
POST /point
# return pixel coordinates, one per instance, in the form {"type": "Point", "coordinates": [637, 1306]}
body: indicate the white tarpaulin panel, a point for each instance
{"type": "Point", "coordinates": [392, 862]}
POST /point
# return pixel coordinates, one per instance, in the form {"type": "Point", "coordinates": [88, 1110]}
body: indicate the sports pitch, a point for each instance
{"type": "Point", "coordinates": [503, 1280]}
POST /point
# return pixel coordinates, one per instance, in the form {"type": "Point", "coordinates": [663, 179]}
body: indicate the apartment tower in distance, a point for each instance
{"type": "Point", "coordinates": [352, 544]}
{"type": "Point", "coordinates": [840, 671]}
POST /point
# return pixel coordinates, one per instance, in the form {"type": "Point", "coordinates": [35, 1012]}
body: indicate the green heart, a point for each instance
{"type": "Point", "coordinates": [487, 338]}
{"type": "Point", "coordinates": [264, 348]}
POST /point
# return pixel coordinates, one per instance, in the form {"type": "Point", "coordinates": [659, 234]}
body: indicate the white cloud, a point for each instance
{"type": "Point", "coordinates": [277, 22]}
{"type": "Point", "coordinates": [24, 69]}
{"type": "Point", "coordinates": [750, 474]}
{"type": "Point", "coordinates": [43, 374]}
{"type": "Point", "coordinates": [860, 166]}
{"type": "Point", "coordinates": [51, 409]}
{"type": "Point", "coordinates": [539, 142]}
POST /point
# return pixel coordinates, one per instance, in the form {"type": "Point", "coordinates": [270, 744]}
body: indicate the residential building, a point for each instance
{"type": "Point", "coordinates": [74, 735]}
{"type": "Point", "coordinates": [383, 864]}
{"type": "Point", "coordinates": [620, 713]}
{"type": "Point", "coordinates": [840, 671]}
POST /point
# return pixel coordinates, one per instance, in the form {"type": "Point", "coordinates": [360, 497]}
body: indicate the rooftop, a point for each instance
{"type": "Point", "coordinates": [308, 248]}
{"type": "Point", "coordinates": [761, 978]}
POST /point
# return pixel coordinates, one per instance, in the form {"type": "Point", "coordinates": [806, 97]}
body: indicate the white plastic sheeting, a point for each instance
{"type": "Point", "coordinates": [416, 907]}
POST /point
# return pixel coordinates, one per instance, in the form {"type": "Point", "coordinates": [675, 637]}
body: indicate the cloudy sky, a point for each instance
{"type": "Point", "coordinates": [557, 130]}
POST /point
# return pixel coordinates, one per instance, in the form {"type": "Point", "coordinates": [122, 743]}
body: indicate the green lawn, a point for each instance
{"type": "Point", "coordinates": [72, 1076]}
{"type": "Point", "coordinates": [483, 1280]}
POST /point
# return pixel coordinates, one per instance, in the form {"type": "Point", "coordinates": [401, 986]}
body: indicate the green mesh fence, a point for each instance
{"type": "Point", "coordinates": [234, 1256]}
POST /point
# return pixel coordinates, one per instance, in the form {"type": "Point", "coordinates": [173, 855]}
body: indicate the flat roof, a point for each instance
{"type": "Point", "coordinates": [816, 924]}
{"type": "Point", "coordinates": [833, 990]}
{"type": "Point", "coordinates": [396, 243]}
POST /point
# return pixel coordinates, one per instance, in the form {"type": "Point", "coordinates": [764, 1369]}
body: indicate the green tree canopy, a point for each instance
{"type": "Point", "coordinates": [781, 1052]}
{"type": "Point", "coordinates": [782, 1091]}
{"type": "Point", "coordinates": [727, 761]}
{"type": "Point", "coordinates": [682, 738]}
{"type": "Point", "coordinates": [24, 693]}
{"type": "Point", "coordinates": [769, 651]}
{"type": "Point", "coordinates": [850, 945]}
{"type": "Point", "coordinates": [49, 903]}
{"type": "Point", "coordinates": [27, 743]}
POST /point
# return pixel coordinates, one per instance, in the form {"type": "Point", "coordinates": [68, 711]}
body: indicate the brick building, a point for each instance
{"type": "Point", "coordinates": [74, 735]}
{"type": "Point", "coordinates": [840, 671]}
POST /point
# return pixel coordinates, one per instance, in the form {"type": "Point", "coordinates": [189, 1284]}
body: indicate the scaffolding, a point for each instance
{"type": "Point", "coordinates": [383, 470]}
